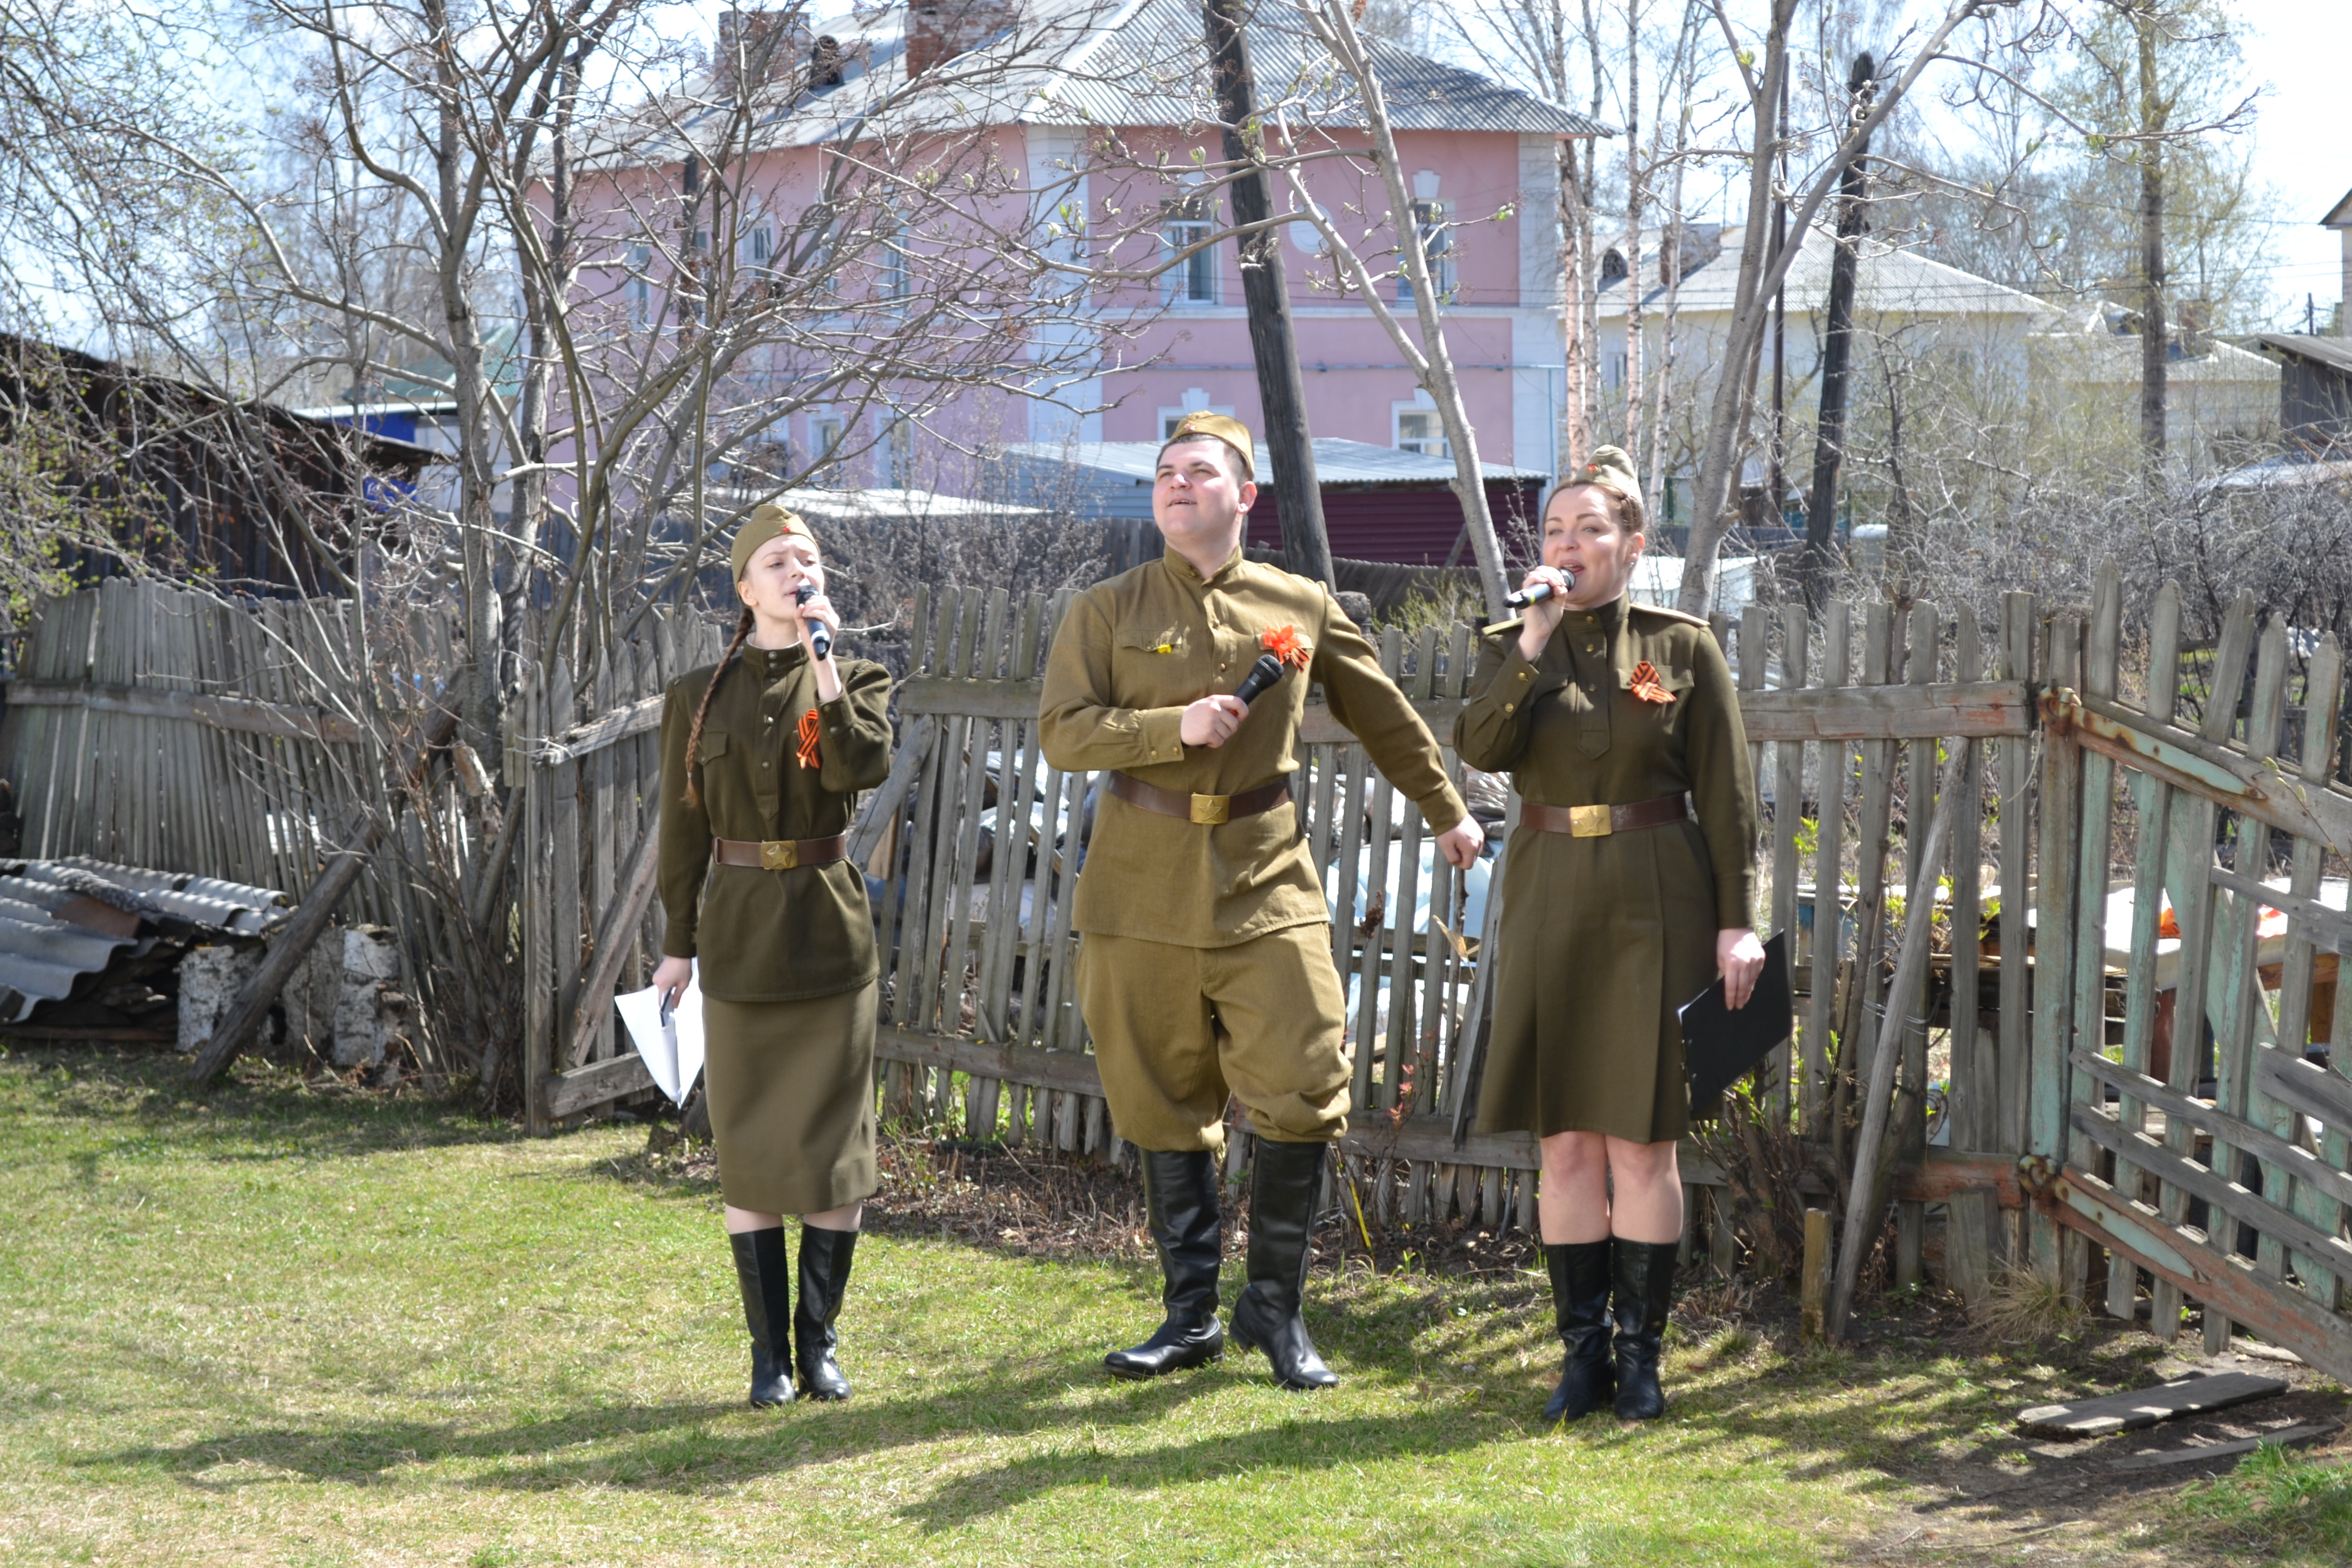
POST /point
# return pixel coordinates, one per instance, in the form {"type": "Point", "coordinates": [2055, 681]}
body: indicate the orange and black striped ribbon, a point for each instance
{"type": "Point", "coordinates": [806, 751]}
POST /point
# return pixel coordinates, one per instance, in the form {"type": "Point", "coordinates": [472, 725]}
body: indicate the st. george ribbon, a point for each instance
{"type": "Point", "coordinates": [820, 634]}
{"type": "Point", "coordinates": [1261, 674]}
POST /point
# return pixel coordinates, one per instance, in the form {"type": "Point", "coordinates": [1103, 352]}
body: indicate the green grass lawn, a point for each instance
{"type": "Point", "coordinates": [269, 1325]}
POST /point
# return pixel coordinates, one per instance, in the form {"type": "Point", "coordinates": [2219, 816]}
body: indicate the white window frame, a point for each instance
{"type": "Point", "coordinates": [638, 288]}
{"type": "Point", "coordinates": [1430, 439]}
{"type": "Point", "coordinates": [1433, 224]}
{"type": "Point", "coordinates": [894, 454]}
{"type": "Point", "coordinates": [1185, 221]}
{"type": "Point", "coordinates": [827, 433]}
{"type": "Point", "coordinates": [1195, 401]}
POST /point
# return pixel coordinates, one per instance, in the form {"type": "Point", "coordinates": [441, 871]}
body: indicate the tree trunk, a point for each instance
{"type": "Point", "coordinates": [1282, 393]}
{"type": "Point", "coordinates": [1725, 411]}
{"type": "Point", "coordinates": [1829, 438]}
{"type": "Point", "coordinates": [1574, 226]}
{"type": "Point", "coordinates": [1633, 173]}
{"type": "Point", "coordinates": [2152, 341]}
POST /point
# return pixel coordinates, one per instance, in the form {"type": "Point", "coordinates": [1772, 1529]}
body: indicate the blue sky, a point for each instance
{"type": "Point", "coordinates": [2302, 139]}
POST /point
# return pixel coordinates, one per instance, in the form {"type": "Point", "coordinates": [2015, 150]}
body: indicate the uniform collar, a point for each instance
{"type": "Point", "coordinates": [772, 664]}
{"type": "Point", "coordinates": [1188, 574]}
{"type": "Point", "coordinates": [1605, 617]}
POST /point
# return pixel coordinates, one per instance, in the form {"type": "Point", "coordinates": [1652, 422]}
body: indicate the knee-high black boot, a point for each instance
{"type": "Point", "coordinates": [1287, 1180]}
{"type": "Point", "coordinates": [1580, 1304]}
{"type": "Point", "coordinates": [1180, 1196]}
{"type": "Point", "coordinates": [824, 1277]}
{"type": "Point", "coordinates": [763, 1269]}
{"type": "Point", "coordinates": [1642, 1292]}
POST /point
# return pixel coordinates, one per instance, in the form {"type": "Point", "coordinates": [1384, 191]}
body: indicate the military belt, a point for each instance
{"type": "Point", "coordinates": [1208, 810]}
{"type": "Point", "coordinates": [1600, 821]}
{"type": "Point", "coordinates": [779, 854]}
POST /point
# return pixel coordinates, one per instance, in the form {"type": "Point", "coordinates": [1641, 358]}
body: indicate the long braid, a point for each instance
{"type": "Point", "coordinates": [702, 708]}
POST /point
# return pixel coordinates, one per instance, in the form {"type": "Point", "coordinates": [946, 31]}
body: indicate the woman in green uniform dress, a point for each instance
{"type": "Point", "coordinates": [1619, 905]}
{"type": "Point", "coordinates": [763, 756]}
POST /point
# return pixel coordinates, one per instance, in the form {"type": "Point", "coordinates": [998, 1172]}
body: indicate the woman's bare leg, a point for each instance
{"type": "Point", "coordinates": [1647, 1185]}
{"type": "Point", "coordinates": [1573, 1200]}
{"type": "Point", "coordinates": [845, 1217]}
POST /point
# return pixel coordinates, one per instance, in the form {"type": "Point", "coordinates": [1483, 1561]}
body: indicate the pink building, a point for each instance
{"type": "Point", "coordinates": [1101, 110]}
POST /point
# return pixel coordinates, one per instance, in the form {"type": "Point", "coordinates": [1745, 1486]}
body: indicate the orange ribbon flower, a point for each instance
{"type": "Point", "coordinates": [1646, 685]}
{"type": "Point", "coordinates": [806, 750]}
{"type": "Point", "coordinates": [1286, 645]}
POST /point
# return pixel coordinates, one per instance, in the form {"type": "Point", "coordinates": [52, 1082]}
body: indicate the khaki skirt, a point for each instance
{"type": "Point", "coordinates": [792, 1101]}
{"type": "Point", "coordinates": [1603, 940]}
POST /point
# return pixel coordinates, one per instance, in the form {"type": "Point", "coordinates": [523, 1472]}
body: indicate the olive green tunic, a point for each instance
{"type": "Point", "coordinates": [1198, 977]}
{"type": "Point", "coordinates": [1132, 654]}
{"type": "Point", "coordinates": [1603, 939]}
{"type": "Point", "coordinates": [770, 936]}
{"type": "Point", "coordinates": [787, 958]}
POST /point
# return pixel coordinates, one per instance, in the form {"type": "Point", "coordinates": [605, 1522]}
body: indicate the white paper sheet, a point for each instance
{"type": "Point", "coordinates": [672, 1052]}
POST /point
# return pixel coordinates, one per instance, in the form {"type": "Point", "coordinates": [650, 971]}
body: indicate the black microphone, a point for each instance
{"type": "Point", "coordinates": [820, 636]}
{"type": "Point", "coordinates": [1521, 598]}
{"type": "Point", "coordinates": [1263, 675]}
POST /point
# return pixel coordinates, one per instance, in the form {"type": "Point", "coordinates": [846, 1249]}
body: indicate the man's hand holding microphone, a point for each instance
{"type": "Point", "coordinates": [1211, 720]}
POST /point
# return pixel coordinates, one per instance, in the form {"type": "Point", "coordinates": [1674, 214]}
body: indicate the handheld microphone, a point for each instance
{"type": "Point", "coordinates": [1264, 674]}
{"type": "Point", "coordinates": [820, 634]}
{"type": "Point", "coordinates": [1521, 598]}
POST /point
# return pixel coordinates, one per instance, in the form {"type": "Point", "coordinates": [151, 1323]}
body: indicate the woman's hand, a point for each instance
{"type": "Point", "coordinates": [670, 978]}
{"type": "Point", "coordinates": [818, 611]}
{"type": "Point", "coordinates": [1740, 959]}
{"type": "Point", "coordinates": [1540, 619]}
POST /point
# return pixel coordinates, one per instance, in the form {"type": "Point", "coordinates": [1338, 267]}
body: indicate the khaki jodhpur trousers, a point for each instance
{"type": "Point", "coordinates": [1180, 1030]}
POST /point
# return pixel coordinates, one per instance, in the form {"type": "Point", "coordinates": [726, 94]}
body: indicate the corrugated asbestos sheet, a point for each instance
{"type": "Point", "coordinates": [62, 920]}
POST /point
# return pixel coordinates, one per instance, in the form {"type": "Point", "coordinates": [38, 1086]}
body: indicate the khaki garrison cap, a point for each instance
{"type": "Point", "coordinates": [1610, 468]}
{"type": "Point", "coordinates": [1225, 428]}
{"type": "Point", "coordinates": [768, 520]}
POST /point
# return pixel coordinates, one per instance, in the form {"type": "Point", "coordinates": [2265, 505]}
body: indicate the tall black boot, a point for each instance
{"type": "Point", "coordinates": [1580, 1304]}
{"type": "Point", "coordinates": [1287, 1180]}
{"type": "Point", "coordinates": [1642, 1292]}
{"type": "Point", "coordinates": [1180, 1196]}
{"type": "Point", "coordinates": [763, 1269]}
{"type": "Point", "coordinates": [825, 1276]}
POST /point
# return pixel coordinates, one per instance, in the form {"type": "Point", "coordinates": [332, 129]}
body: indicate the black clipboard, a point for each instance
{"type": "Point", "coordinates": [1721, 1044]}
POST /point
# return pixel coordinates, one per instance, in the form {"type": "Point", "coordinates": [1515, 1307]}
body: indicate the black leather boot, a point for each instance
{"type": "Point", "coordinates": [1642, 1292]}
{"type": "Point", "coordinates": [1580, 1304]}
{"type": "Point", "coordinates": [1287, 1179]}
{"type": "Point", "coordinates": [763, 1269]}
{"type": "Point", "coordinates": [825, 1276]}
{"type": "Point", "coordinates": [1180, 1196]}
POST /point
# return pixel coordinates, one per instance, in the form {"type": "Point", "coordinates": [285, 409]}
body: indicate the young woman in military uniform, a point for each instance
{"type": "Point", "coordinates": [763, 756]}
{"type": "Point", "coordinates": [1618, 907]}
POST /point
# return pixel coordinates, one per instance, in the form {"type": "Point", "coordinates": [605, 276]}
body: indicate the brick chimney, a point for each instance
{"type": "Point", "coordinates": [745, 36]}
{"type": "Point", "coordinates": [939, 30]}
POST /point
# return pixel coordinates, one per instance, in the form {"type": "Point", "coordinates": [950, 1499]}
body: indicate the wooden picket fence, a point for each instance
{"type": "Point", "coordinates": [974, 838]}
{"type": "Point", "coordinates": [2149, 1119]}
{"type": "Point", "coordinates": [153, 726]}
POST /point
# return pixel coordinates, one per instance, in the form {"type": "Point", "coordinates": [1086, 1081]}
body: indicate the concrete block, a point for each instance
{"type": "Point", "coordinates": [210, 978]}
{"type": "Point", "coordinates": [364, 1021]}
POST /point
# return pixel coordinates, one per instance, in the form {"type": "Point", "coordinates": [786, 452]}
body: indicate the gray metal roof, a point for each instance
{"type": "Point", "coordinates": [2336, 354]}
{"type": "Point", "coordinates": [1135, 63]}
{"type": "Point", "coordinates": [1354, 464]}
{"type": "Point", "coordinates": [51, 936]}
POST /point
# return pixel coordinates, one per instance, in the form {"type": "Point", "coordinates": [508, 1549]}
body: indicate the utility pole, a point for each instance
{"type": "Point", "coordinates": [1829, 433]}
{"type": "Point", "coordinates": [1281, 391]}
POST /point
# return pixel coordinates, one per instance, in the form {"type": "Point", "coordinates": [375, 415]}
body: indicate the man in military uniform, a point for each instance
{"type": "Point", "coordinates": [1206, 972]}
